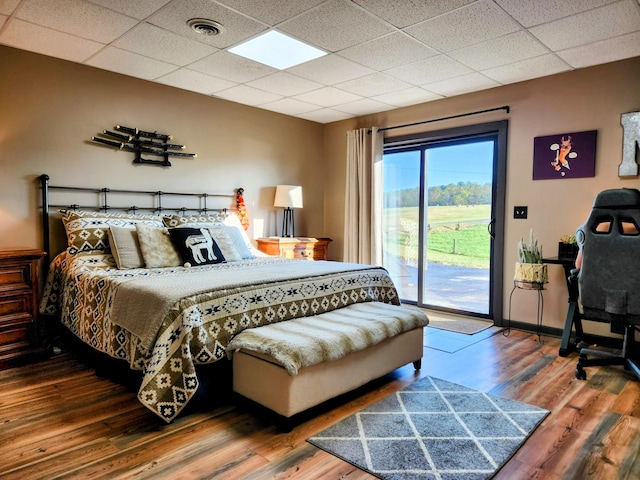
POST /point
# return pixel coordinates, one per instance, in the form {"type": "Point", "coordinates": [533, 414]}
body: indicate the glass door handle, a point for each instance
{"type": "Point", "coordinates": [490, 226]}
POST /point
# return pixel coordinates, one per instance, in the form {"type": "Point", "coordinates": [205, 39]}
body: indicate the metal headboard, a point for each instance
{"type": "Point", "coordinates": [152, 201]}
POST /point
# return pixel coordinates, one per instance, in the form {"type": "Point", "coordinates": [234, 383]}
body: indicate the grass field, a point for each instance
{"type": "Point", "coordinates": [456, 235]}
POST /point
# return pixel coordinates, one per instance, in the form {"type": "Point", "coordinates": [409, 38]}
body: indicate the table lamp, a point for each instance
{"type": "Point", "coordinates": [289, 197]}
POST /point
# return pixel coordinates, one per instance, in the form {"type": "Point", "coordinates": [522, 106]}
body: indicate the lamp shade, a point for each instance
{"type": "Point", "coordinates": [289, 196]}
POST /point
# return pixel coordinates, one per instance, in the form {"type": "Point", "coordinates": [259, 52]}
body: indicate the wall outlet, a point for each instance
{"type": "Point", "coordinates": [520, 212]}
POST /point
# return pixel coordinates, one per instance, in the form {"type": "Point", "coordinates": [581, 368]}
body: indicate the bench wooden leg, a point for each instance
{"type": "Point", "coordinates": [417, 364]}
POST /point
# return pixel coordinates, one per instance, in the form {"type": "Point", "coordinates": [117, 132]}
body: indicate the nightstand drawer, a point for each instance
{"type": "Point", "coordinates": [15, 338]}
{"type": "Point", "coordinates": [16, 322]}
{"type": "Point", "coordinates": [15, 306]}
{"type": "Point", "coordinates": [303, 251]}
{"type": "Point", "coordinates": [15, 277]}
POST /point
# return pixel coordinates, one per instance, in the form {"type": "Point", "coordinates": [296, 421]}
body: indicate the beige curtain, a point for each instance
{"type": "Point", "coordinates": [363, 199]}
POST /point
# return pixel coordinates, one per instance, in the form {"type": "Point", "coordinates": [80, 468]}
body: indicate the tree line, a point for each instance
{"type": "Point", "coordinates": [461, 193]}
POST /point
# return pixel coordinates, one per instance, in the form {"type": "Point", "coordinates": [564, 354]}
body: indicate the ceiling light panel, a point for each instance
{"type": "Point", "coordinates": [277, 50]}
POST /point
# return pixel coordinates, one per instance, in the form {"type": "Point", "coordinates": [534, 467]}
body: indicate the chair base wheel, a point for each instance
{"type": "Point", "coordinates": [581, 374]}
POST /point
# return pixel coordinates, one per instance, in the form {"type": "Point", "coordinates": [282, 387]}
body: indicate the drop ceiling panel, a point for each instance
{"type": "Point", "coordinates": [388, 51]}
{"type": "Point", "coordinates": [374, 84]}
{"type": "Point", "coordinates": [471, 82]}
{"type": "Point", "coordinates": [335, 25]}
{"type": "Point", "coordinates": [527, 69]}
{"type": "Point", "coordinates": [195, 81]}
{"type": "Point", "coordinates": [285, 83]}
{"type": "Point", "coordinates": [76, 17]}
{"type": "Point", "coordinates": [429, 70]}
{"type": "Point", "coordinates": [588, 27]}
{"type": "Point", "coordinates": [537, 12]}
{"type": "Point", "coordinates": [129, 63]}
{"type": "Point", "coordinates": [290, 106]}
{"type": "Point", "coordinates": [271, 12]}
{"type": "Point", "coordinates": [8, 6]}
{"type": "Point", "coordinates": [248, 95]}
{"type": "Point", "coordinates": [406, 97]}
{"type": "Point", "coordinates": [466, 26]}
{"type": "Point", "coordinates": [403, 13]}
{"type": "Point", "coordinates": [35, 38]}
{"type": "Point", "coordinates": [382, 53]}
{"type": "Point", "coordinates": [331, 69]}
{"type": "Point", "coordinates": [618, 48]}
{"type": "Point", "coordinates": [328, 97]}
{"type": "Point", "coordinates": [325, 115]}
{"type": "Point", "coordinates": [139, 9]}
{"type": "Point", "coordinates": [231, 67]}
{"type": "Point", "coordinates": [500, 51]}
{"type": "Point", "coordinates": [154, 42]}
{"type": "Point", "coordinates": [364, 105]}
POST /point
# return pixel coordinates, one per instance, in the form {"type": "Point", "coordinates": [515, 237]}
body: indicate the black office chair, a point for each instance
{"type": "Point", "coordinates": [609, 276]}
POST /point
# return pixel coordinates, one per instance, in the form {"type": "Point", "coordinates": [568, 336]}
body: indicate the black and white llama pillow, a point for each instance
{"type": "Point", "coordinates": [196, 246]}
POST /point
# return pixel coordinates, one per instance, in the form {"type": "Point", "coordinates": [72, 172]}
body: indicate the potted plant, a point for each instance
{"type": "Point", "coordinates": [530, 272]}
{"type": "Point", "coordinates": [568, 247]}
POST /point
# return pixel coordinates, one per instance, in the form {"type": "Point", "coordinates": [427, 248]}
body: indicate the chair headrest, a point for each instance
{"type": "Point", "coordinates": [617, 198]}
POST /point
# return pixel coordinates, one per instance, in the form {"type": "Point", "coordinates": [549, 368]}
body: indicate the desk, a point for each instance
{"type": "Point", "coordinates": [573, 319]}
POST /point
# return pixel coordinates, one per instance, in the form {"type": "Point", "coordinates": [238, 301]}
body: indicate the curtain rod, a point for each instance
{"type": "Point", "coordinates": [505, 107]}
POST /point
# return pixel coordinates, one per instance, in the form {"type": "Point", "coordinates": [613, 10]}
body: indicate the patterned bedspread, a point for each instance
{"type": "Point", "coordinates": [196, 329]}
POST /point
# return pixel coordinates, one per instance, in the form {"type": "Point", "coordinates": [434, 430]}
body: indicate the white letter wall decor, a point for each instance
{"type": "Point", "coordinates": [630, 144]}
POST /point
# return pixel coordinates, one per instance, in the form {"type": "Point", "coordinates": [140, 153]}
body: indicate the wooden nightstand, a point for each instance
{"type": "Point", "coordinates": [296, 247]}
{"type": "Point", "coordinates": [19, 330]}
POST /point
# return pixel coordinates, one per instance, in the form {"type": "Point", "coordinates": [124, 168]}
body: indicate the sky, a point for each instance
{"type": "Point", "coordinates": [471, 162]}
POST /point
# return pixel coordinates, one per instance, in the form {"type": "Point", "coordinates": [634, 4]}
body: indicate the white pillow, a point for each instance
{"type": "Point", "coordinates": [225, 243]}
{"type": "Point", "coordinates": [157, 249]}
{"type": "Point", "coordinates": [125, 247]}
{"type": "Point", "coordinates": [239, 236]}
{"type": "Point", "coordinates": [239, 243]}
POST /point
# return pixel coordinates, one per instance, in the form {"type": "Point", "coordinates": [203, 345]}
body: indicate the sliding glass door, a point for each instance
{"type": "Point", "coordinates": [441, 197]}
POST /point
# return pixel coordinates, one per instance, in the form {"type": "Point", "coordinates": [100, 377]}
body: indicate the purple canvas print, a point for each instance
{"type": "Point", "coordinates": [565, 155]}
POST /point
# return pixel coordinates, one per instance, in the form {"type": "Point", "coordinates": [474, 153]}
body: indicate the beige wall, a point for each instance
{"type": "Point", "coordinates": [588, 99]}
{"type": "Point", "coordinates": [50, 109]}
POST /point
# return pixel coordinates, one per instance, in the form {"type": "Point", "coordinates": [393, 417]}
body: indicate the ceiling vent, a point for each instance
{"type": "Point", "coordinates": [203, 26]}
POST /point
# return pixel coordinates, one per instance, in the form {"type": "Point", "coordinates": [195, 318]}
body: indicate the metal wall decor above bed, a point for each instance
{"type": "Point", "coordinates": [139, 142]}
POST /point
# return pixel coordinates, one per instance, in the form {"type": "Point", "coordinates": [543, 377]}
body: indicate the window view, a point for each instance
{"type": "Point", "coordinates": [437, 211]}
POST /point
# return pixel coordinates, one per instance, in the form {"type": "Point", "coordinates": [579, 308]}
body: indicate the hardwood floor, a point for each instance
{"type": "Point", "coordinates": [59, 419]}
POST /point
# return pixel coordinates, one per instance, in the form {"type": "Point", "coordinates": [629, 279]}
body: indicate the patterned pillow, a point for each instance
{"type": "Point", "coordinates": [156, 246]}
{"type": "Point", "coordinates": [196, 246]}
{"type": "Point", "coordinates": [173, 221]}
{"type": "Point", "coordinates": [88, 231]}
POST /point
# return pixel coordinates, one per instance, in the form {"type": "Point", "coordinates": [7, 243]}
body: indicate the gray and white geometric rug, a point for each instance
{"type": "Point", "coordinates": [433, 429]}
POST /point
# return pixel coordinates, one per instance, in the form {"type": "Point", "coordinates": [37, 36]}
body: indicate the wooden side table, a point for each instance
{"type": "Point", "coordinates": [295, 247]}
{"type": "Point", "coordinates": [19, 329]}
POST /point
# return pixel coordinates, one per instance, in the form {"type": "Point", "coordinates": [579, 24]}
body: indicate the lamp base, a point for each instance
{"type": "Point", "coordinates": [287, 223]}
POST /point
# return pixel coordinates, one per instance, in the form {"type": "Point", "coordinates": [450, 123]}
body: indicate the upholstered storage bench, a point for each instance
{"type": "Point", "coordinates": [294, 365]}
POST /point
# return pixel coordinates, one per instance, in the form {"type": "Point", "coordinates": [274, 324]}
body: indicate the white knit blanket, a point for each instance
{"type": "Point", "coordinates": [329, 336]}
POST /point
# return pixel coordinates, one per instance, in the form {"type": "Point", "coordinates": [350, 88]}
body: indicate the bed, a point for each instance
{"type": "Point", "coordinates": [117, 288]}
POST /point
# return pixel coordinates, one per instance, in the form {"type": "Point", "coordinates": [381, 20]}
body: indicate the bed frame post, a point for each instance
{"type": "Point", "coordinates": [44, 186]}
